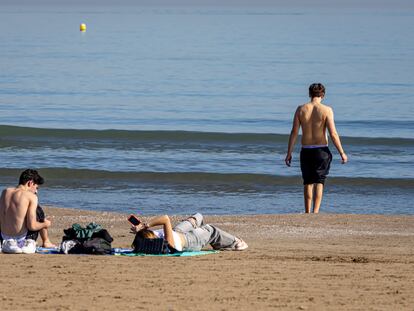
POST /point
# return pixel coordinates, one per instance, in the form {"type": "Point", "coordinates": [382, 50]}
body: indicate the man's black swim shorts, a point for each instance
{"type": "Point", "coordinates": [315, 164]}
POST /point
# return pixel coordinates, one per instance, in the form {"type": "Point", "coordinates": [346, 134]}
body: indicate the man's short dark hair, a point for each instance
{"type": "Point", "coordinates": [316, 90]}
{"type": "Point", "coordinates": [31, 175]}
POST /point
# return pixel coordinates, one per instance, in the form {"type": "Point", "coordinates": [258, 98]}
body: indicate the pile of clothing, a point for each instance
{"type": "Point", "coordinates": [92, 239]}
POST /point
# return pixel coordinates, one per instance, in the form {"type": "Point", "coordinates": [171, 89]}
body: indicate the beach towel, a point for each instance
{"type": "Point", "coordinates": [47, 250]}
{"type": "Point", "coordinates": [176, 254]}
{"type": "Point", "coordinates": [129, 252]}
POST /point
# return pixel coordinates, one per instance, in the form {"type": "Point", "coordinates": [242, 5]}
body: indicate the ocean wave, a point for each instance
{"type": "Point", "coordinates": [18, 136]}
{"type": "Point", "coordinates": [56, 177]}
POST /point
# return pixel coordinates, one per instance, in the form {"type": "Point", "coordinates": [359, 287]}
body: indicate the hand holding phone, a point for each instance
{"type": "Point", "coordinates": [134, 220]}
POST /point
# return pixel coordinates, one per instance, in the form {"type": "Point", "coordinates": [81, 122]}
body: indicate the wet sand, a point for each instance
{"type": "Point", "coordinates": [294, 262]}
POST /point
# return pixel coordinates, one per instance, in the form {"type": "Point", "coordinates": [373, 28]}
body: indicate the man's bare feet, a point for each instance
{"type": "Point", "coordinates": [48, 244]}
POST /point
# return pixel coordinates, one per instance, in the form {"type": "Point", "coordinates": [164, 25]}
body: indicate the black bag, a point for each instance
{"type": "Point", "coordinates": [151, 246]}
{"type": "Point", "coordinates": [97, 246]}
{"type": "Point", "coordinates": [103, 234]}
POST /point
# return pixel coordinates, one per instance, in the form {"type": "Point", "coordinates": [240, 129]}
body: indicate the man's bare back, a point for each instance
{"type": "Point", "coordinates": [313, 120]}
{"type": "Point", "coordinates": [14, 206]}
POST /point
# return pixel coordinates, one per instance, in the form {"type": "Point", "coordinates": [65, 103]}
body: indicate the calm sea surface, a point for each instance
{"type": "Point", "coordinates": [175, 110]}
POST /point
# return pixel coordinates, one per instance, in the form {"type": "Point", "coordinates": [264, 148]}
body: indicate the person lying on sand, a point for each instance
{"type": "Point", "coordinates": [190, 234]}
{"type": "Point", "coordinates": [21, 218]}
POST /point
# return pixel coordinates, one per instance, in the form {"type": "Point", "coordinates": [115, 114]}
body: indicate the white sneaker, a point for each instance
{"type": "Point", "coordinates": [29, 247]}
{"type": "Point", "coordinates": [10, 246]}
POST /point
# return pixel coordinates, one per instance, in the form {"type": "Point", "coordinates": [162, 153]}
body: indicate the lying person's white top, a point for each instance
{"type": "Point", "coordinates": [177, 239]}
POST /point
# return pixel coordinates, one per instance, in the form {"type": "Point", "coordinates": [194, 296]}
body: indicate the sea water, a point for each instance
{"type": "Point", "coordinates": [175, 110]}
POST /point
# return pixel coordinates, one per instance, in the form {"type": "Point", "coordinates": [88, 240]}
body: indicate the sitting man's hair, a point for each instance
{"type": "Point", "coordinates": [147, 234]}
{"type": "Point", "coordinates": [316, 90]}
{"type": "Point", "coordinates": [31, 175]}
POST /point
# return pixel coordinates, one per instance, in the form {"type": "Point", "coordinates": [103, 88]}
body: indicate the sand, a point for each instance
{"type": "Point", "coordinates": [294, 262]}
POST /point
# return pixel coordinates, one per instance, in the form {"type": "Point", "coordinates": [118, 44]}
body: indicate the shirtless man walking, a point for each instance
{"type": "Point", "coordinates": [21, 218]}
{"type": "Point", "coordinates": [315, 157]}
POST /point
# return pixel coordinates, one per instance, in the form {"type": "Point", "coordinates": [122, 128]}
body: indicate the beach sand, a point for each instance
{"type": "Point", "coordinates": [294, 262]}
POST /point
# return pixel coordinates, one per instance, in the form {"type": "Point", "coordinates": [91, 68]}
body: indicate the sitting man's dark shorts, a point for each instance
{"type": "Point", "coordinates": [315, 164]}
{"type": "Point", "coordinates": [40, 217]}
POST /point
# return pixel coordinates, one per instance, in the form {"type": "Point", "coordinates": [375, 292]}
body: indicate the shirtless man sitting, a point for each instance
{"type": "Point", "coordinates": [315, 156]}
{"type": "Point", "coordinates": [21, 218]}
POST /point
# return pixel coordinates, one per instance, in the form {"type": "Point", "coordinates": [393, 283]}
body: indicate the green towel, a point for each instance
{"type": "Point", "coordinates": [178, 254]}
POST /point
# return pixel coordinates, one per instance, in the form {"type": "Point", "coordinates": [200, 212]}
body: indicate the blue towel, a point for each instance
{"type": "Point", "coordinates": [47, 250]}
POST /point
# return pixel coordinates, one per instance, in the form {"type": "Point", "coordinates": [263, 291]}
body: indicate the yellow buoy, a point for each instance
{"type": "Point", "coordinates": [82, 27]}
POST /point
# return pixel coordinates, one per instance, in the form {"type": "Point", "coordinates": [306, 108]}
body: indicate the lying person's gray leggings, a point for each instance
{"type": "Point", "coordinates": [199, 236]}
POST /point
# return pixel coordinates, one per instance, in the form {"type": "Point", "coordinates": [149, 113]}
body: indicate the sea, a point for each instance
{"type": "Point", "coordinates": [173, 110]}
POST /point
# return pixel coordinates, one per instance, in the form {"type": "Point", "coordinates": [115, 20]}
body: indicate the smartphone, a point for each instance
{"type": "Point", "coordinates": [134, 220]}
